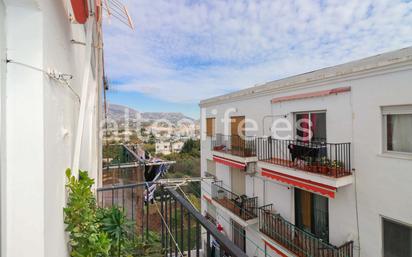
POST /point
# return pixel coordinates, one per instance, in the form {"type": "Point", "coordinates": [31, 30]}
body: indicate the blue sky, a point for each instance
{"type": "Point", "coordinates": [185, 51]}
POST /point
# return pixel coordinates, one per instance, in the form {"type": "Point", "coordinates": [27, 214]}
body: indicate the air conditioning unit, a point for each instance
{"type": "Point", "coordinates": [251, 168]}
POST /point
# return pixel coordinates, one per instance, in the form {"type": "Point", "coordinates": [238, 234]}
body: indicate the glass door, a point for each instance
{"type": "Point", "coordinates": [310, 126]}
{"type": "Point", "coordinates": [312, 213]}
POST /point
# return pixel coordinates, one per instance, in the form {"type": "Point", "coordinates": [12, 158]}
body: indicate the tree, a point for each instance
{"type": "Point", "coordinates": [191, 147]}
{"type": "Point", "coordinates": [152, 139]}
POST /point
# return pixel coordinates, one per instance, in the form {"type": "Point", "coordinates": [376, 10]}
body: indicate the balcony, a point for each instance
{"type": "Point", "coordinates": [327, 159]}
{"type": "Point", "coordinates": [242, 206]}
{"type": "Point", "coordinates": [168, 226]}
{"type": "Point", "coordinates": [296, 240]}
{"type": "Point", "coordinates": [240, 146]}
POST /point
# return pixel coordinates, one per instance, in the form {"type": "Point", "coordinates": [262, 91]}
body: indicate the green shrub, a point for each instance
{"type": "Point", "coordinates": [113, 221]}
{"type": "Point", "coordinates": [86, 237]}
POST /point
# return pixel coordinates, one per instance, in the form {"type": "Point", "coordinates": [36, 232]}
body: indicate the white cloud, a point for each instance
{"type": "Point", "coordinates": [184, 51]}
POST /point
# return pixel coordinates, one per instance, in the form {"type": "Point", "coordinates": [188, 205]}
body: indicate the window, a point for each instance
{"type": "Point", "coordinates": [397, 127]}
{"type": "Point", "coordinates": [397, 239]}
{"type": "Point", "coordinates": [313, 122]}
{"type": "Point", "coordinates": [239, 235]}
{"type": "Point", "coordinates": [210, 127]}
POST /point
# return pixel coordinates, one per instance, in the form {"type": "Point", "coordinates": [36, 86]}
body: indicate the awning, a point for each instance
{"type": "Point", "coordinates": [229, 162]}
{"type": "Point", "coordinates": [311, 94]}
{"type": "Point", "coordinates": [80, 10]}
{"type": "Point", "coordinates": [304, 184]}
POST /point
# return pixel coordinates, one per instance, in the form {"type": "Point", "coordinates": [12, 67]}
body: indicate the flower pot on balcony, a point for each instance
{"type": "Point", "coordinates": [336, 168]}
{"type": "Point", "coordinates": [218, 148]}
{"type": "Point", "coordinates": [333, 171]}
{"type": "Point", "coordinates": [311, 168]}
{"type": "Point", "coordinates": [323, 169]}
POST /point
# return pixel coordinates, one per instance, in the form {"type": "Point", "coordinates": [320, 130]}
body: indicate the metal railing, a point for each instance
{"type": "Point", "coordinates": [242, 146]}
{"type": "Point", "coordinates": [180, 225]}
{"type": "Point", "coordinates": [243, 206]}
{"type": "Point", "coordinates": [329, 159]}
{"type": "Point", "coordinates": [210, 218]}
{"type": "Point", "coordinates": [296, 240]}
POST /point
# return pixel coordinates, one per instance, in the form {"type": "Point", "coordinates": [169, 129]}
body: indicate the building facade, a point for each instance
{"type": "Point", "coordinates": [51, 80]}
{"type": "Point", "coordinates": [168, 147]}
{"type": "Point", "coordinates": [317, 164]}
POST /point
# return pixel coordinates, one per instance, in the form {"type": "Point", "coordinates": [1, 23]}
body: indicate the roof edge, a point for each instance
{"type": "Point", "coordinates": [386, 60]}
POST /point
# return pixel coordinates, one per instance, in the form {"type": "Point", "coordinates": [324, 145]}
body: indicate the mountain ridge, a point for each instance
{"type": "Point", "coordinates": [117, 113]}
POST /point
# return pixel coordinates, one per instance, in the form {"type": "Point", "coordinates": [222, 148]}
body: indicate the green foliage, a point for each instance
{"type": "Point", "coordinates": [86, 237]}
{"type": "Point", "coordinates": [101, 232]}
{"type": "Point", "coordinates": [151, 148]}
{"type": "Point", "coordinates": [152, 139]}
{"type": "Point", "coordinates": [186, 165]}
{"type": "Point", "coordinates": [112, 151]}
{"type": "Point", "coordinates": [149, 247]}
{"type": "Point", "coordinates": [191, 147]}
{"type": "Point", "coordinates": [113, 221]}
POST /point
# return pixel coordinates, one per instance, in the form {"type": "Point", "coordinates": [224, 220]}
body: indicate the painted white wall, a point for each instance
{"type": "Point", "coordinates": [382, 181]}
{"type": "Point", "coordinates": [24, 220]}
{"type": "Point", "coordinates": [41, 117]}
{"type": "Point", "coordinates": [2, 114]}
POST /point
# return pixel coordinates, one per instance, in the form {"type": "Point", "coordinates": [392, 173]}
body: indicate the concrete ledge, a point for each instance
{"type": "Point", "coordinates": [235, 157]}
{"type": "Point", "coordinates": [318, 178]}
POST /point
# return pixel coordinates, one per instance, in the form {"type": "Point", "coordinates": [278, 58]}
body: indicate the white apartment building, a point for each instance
{"type": "Point", "coordinates": [51, 82]}
{"type": "Point", "coordinates": [167, 148]}
{"type": "Point", "coordinates": [163, 148]}
{"type": "Point", "coordinates": [318, 164]}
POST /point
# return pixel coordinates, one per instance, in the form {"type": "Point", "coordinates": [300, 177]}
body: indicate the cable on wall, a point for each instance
{"type": "Point", "coordinates": [63, 78]}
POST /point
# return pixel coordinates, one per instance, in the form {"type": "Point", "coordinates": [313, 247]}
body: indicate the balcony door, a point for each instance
{"type": "Point", "coordinates": [311, 213]}
{"type": "Point", "coordinates": [237, 130]}
{"type": "Point", "coordinates": [238, 182]}
{"type": "Point", "coordinates": [315, 122]}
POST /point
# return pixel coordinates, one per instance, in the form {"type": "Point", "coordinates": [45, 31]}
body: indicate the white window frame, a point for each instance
{"type": "Point", "coordinates": [392, 110]}
{"type": "Point", "coordinates": [310, 115]}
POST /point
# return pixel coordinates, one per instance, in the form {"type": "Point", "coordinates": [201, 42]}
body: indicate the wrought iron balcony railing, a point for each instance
{"type": "Point", "coordinates": [296, 240]}
{"type": "Point", "coordinates": [235, 145]}
{"type": "Point", "coordinates": [179, 225]}
{"type": "Point", "coordinates": [243, 206]}
{"type": "Point", "coordinates": [329, 159]}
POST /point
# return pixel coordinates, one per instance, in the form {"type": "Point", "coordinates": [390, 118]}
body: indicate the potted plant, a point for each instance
{"type": "Point", "coordinates": [335, 167]}
{"type": "Point", "coordinates": [323, 167]}
{"type": "Point", "coordinates": [309, 164]}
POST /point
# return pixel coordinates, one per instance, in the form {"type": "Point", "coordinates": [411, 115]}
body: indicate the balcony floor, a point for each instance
{"type": "Point", "coordinates": [240, 153]}
{"type": "Point", "coordinates": [317, 169]}
{"type": "Point", "coordinates": [231, 206]}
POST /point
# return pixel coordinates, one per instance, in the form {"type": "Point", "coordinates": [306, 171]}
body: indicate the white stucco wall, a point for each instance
{"type": "Point", "coordinates": [384, 182]}
{"type": "Point", "coordinates": [41, 118]}
{"type": "Point", "coordinates": [2, 112]}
